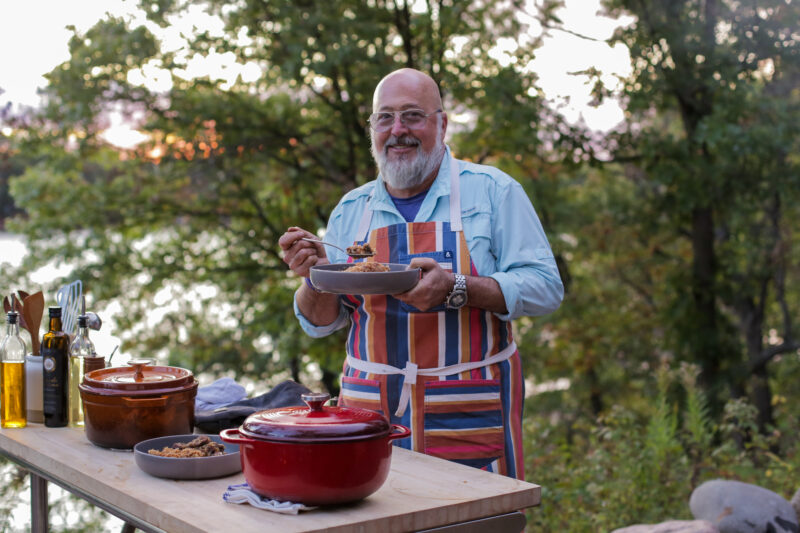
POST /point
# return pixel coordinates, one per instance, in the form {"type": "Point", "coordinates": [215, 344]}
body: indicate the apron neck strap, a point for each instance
{"type": "Point", "coordinates": [455, 206]}
{"type": "Point", "coordinates": [455, 196]}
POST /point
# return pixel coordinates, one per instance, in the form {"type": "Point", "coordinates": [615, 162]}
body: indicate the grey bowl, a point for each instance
{"type": "Point", "coordinates": [332, 278]}
{"type": "Point", "coordinates": [186, 467]}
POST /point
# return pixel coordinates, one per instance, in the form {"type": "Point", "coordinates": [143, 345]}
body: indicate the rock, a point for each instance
{"type": "Point", "coordinates": [795, 501]}
{"type": "Point", "coordinates": [736, 507]}
{"type": "Point", "coordinates": [672, 526]}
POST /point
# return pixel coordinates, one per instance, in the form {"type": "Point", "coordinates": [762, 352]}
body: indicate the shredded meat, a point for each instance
{"type": "Point", "coordinates": [202, 446]}
{"type": "Point", "coordinates": [196, 443]}
{"type": "Point", "coordinates": [368, 267]}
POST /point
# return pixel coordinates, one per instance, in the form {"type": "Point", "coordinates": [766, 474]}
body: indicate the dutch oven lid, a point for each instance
{"type": "Point", "coordinates": [139, 378]}
{"type": "Point", "coordinates": [315, 423]}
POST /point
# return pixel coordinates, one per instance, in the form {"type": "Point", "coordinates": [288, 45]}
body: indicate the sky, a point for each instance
{"type": "Point", "coordinates": [38, 27]}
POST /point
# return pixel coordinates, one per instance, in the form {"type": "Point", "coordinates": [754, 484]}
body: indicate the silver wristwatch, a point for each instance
{"type": "Point", "coordinates": [458, 296]}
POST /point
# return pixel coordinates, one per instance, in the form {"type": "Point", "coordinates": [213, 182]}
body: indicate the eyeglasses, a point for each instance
{"type": "Point", "coordinates": [412, 119]}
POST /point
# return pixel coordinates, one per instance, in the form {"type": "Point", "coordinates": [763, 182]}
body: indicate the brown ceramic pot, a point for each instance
{"type": "Point", "coordinates": [126, 405]}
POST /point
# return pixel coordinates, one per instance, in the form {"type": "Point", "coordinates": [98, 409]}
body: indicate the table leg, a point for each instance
{"type": "Point", "coordinates": [38, 504]}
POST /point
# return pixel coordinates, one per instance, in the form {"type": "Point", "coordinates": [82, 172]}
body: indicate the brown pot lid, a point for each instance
{"type": "Point", "coordinates": [315, 423]}
{"type": "Point", "coordinates": [139, 378]}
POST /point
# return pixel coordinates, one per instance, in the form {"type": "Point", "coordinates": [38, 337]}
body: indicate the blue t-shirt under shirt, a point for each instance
{"type": "Point", "coordinates": [409, 207]}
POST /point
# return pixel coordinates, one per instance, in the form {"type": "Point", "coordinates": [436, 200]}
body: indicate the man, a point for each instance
{"type": "Point", "coordinates": [439, 358]}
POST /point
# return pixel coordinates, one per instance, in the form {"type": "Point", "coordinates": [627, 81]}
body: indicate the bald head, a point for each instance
{"type": "Point", "coordinates": [407, 87]}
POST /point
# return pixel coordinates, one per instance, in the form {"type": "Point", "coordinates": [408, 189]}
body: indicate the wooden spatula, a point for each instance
{"type": "Point", "coordinates": [34, 311]}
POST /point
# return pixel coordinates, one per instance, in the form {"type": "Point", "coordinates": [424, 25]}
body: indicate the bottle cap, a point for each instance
{"type": "Point", "coordinates": [83, 320]}
{"type": "Point", "coordinates": [55, 311]}
{"type": "Point", "coordinates": [12, 317]}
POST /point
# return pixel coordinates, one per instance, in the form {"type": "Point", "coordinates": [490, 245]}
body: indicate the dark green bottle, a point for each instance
{"type": "Point", "coordinates": [55, 374]}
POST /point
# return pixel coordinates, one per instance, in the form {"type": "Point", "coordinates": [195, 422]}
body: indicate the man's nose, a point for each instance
{"type": "Point", "coordinates": [398, 126]}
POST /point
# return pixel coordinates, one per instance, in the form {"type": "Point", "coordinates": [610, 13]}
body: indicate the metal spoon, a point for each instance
{"type": "Point", "coordinates": [354, 256]}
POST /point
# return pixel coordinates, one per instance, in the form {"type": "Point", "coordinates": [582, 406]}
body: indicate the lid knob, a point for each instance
{"type": "Point", "coordinates": [137, 365]}
{"type": "Point", "coordinates": [316, 400]}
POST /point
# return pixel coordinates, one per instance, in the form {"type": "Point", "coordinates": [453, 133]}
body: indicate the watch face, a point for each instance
{"type": "Point", "coordinates": [457, 299]}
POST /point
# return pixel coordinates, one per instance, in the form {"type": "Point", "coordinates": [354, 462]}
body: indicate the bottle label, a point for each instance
{"type": "Point", "coordinates": [54, 384]}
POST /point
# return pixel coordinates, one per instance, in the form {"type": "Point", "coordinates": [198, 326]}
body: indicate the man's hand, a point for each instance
{"type": "Point", "coordinates": [432, 289]}
{"type": "Point", "coordinates": [320, 308]}
{"type": "Point", "coordinates": [301, 255]}
{"type": "Point", "coordinates": [436, 283]}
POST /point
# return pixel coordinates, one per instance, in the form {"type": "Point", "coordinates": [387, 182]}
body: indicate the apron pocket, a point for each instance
{"type": "Point", "coordinates": [464, 421]}
{"type": "Point", "coordinates": [362, 393]}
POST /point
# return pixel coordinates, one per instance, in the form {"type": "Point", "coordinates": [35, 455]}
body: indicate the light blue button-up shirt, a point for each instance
{"type": "Point", "coordinates": [504, 235]}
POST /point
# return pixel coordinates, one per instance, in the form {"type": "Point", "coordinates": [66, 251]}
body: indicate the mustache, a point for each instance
{"type": "Point", "coordinates": [403, 140]}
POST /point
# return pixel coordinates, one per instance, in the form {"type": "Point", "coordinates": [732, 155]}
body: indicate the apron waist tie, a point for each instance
{"type": "Point", "coordinates": [411, 371]}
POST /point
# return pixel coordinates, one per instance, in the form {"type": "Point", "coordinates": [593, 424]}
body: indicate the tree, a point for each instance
{"type": "Point", "coordinates": [713, 121]}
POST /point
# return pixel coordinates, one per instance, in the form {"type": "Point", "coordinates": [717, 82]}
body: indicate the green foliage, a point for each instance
{"type": "Point", "coordinates": [708, 139]}
{"type": "Point", "coordinates": [641, 465]}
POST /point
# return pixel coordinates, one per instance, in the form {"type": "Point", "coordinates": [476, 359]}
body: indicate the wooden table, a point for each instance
{"type": "Point", "coordinates": [421, 493]}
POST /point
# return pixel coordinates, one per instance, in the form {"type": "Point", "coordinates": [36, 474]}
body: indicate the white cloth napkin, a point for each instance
{"type": "Point", "coordinates": [243, 494]}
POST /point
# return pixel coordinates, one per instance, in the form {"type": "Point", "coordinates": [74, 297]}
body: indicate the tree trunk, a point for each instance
{"type": "Point", "coordinates": [294, 366]}
{"type": "Point", "coordinates": [329, 381]}
{"type": "Point", "coordinates": [707, 348]}
{"type": "Point", "coordinates": [595, 394]}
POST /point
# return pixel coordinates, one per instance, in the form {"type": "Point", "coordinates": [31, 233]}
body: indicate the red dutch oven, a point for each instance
{"type": "Point", "coordinates": [315, 455]}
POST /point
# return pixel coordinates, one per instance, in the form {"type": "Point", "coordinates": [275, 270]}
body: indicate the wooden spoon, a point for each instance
{"type": "Point", "coordinates": [19, 308]}
{"type": "Point", "coordinates": [34, 310]}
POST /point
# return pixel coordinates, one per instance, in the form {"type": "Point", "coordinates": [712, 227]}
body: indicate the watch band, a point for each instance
{"type": "Point", "coordinates": [458, 296]}
{"type": "Point", "coordinates": [311, 285]}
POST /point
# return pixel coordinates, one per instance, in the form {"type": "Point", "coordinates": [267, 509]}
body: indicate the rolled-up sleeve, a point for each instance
{"type": "Point", "coordinates": [526, 268]}
{"type": "Point", "coordinates": [320, 331]}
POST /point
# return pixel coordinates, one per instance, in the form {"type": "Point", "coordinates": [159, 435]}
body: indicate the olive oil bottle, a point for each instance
{"type": "Point", "coordinates": [55, 380]}
{"type": "Point", "coordinates": [81, 349]}
{"type": "Point", "coordinates": [12, 375]}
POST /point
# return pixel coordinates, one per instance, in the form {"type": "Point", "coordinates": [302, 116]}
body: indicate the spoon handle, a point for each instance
{"type": "Point", "coordinates": [322, 242]}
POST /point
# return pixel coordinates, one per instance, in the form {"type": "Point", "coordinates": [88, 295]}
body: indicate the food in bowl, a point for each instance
{"type": "Point", "coordinates": [210, 467]}
{"type": "Point", "coordinates": [368, 267]}
{"type": "Point", "coordinates": [202, 446]}
{"type": "Point", "coordinates": [360, 249]}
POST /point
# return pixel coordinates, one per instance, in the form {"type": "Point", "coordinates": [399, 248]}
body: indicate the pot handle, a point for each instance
{"type": "Point", "coordinates": [404, 432]}
{"type": "Point", "coordinates": [232, 436]}
{"type": "Point", "coordinates": [137, 365]}
{"type": "Point", "coordinates": [160, 401]}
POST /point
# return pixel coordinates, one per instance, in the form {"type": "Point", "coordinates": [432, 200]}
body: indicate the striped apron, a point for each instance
{"type": "Point", "coordinates": [454, 377]}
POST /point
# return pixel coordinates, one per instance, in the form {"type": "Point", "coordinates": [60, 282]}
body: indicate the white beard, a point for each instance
{"type": "Point", "coordinates": [407, 172]}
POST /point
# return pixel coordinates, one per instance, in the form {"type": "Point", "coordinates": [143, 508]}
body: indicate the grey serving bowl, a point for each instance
{"type": "Point", "coordinates": [332, 278]}
{"type": "Point", "coordinates": [186, 467]}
